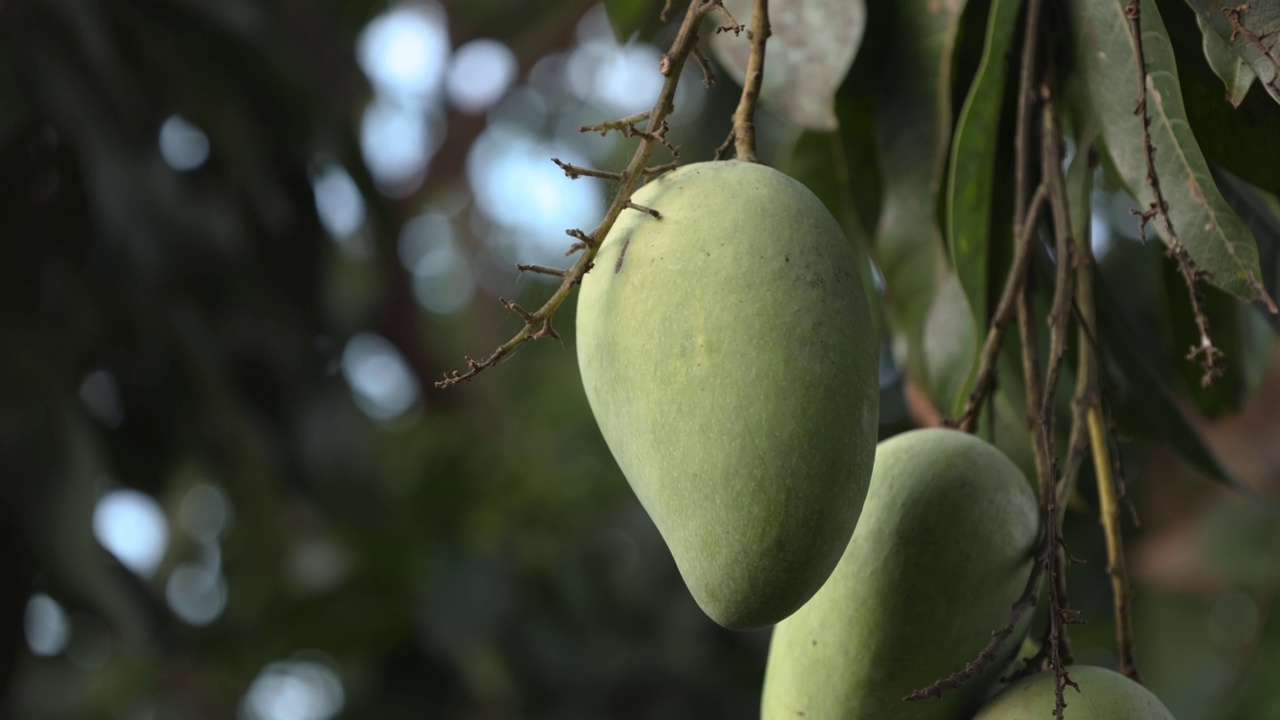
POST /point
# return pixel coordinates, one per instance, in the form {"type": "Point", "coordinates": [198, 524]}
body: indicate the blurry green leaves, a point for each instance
{"type": "Point", "coordinates": [1136, 383]}
{"type": "Point", "coordinates": [950, 347]}
{"type": "Point", "coordinates": [1212, 233]}
{"type": "Point", "coordinates": [812, 45]}
{"type": "Point", "coordinates": [913, 128]}
{"type": "Point", "coordinates": [970, 180]}
{"type": "Point", "coordinates": [1251, 31]}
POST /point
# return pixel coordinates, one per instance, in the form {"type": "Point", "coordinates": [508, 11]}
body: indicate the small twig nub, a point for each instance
{"type": "Point", "coordinates": [641, 208]}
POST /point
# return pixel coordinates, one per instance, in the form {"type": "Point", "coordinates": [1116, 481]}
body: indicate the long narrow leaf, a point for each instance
{"type": "Point", "coordinates": [971, 178]}
{"type": "Point", "coordinates": [1206, 225]}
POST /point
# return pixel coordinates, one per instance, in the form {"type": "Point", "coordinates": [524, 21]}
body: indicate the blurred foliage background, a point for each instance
{"type": "Point", "coordinates": [239, 241]}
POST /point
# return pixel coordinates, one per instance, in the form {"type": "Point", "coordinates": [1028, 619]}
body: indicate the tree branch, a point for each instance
{"type": "Point", "coordinates": [989, 357]}
{"type": "Point", "coordinates": [538, 322]}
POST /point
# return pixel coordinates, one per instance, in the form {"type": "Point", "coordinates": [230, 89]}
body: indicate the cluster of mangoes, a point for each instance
{"type": "Point", "coordinates": [727, 349]}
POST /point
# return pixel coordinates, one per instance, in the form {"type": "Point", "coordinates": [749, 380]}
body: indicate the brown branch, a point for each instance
{"type": "Point", "coordinates": [1059, 322]}
{"type": "Point", "coordinates": [722, 152]}
{"type": "Point", "coordinates": [656, 170]}
{"type": "Point", "coordinates": [624, 125]}
{"type": "Point", "coordinates": [573, 172]}
{"type": "Point", "coordinates": [744, 118]}
{"type": "Point", "coordinates": [730, 25]}
{"type": "Point", "coordinates": [666, 10]}
{"type": "Point", "coordinates": [708, 73]}
{"type": "Point", "coordinates": [538, 323]}
{"type": "Point", "coordinates": [1059, 319]}
{"type": "Point", "coordinates": [585, 239]}
{"type": "Point", "coordinates": [542, 269]}
{"type": "Point", "coordinates": [1026, 77]}
{"type": "Point", "coordinates": [989, 357]}
{"type": "Point", "coordinates": [1086, 393]}
{"type": "Point", "coordinates": [1039, 395]}
{"type": "Point", "coordinates": [641, 208]}
{"type": "Point", "coordinates": [1046, 471]}
{"type": "Point", "coordinates": [1210, 356]}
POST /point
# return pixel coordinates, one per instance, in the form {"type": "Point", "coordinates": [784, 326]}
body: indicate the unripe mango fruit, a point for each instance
{"type": "Point", "coordinates": [729, 357]}
{"type": "Point", "coordinates": [1103, 695]}
{"type": "Point", "coordinates": [943, 550]}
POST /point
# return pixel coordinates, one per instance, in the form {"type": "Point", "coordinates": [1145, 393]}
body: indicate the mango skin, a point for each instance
{"type": "Point", "coordinates": [729, 356]}
{"type": "Point", "coordinates": [1104, 695]}
{"type": "Point", "coordinates": [943, 550]}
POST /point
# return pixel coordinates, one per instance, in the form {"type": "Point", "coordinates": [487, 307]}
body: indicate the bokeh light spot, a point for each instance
{"type": "Point", "coordinates": [1233, 621]}
{"type": "Point", "coordinates": [397, 142]}
{"type": "Point", "coordinates": [183, 146]}
{"type": "Point", "coordinates": [405, 50]}
{"type": "Point", "coordinates": [205, 512]}
{"type": "Point", "coordinates": [480, 74]}
{"type": "Point", "coordinates": [46, 625]}
{"type": "Point", "coordinates": [517, 186]}
{"type": "Point", "coordinates": [294, 690]}
{"type": "Point", "coordinates": [443, 280]}
{"type": "Point", "coordinates": [380, 379]}
{"type": "Point", "coordinates": [132, 527]}
{"type": "Point", "coordinates": [196, 593]}
{"type": "Point", "coordinates": [338, 200]}
{"type": "Point", "coordinates": [618, 79]}
{"type": "Point", "coordinates": [101, 396]}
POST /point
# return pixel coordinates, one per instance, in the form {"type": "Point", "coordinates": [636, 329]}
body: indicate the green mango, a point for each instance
{"type": "Point", "coordinates": [1103, 695]}
{"type": "Point", "coordinates": [728, 353]}
{"type": "Point", "coordinates": [943, 550]}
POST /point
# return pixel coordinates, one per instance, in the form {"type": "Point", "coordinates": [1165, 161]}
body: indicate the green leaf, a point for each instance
{"type": "Point", "coordinates": [971, 177]}
{"type": "Point", "coordinates": [1242, 139]}
{"type": "Point", "coordinates": [1252, 30]}
{"type": "Point", "coordinates": [1234, 72]}
{"type": "Point", "coordinates": [913, 127]}
{"type": "Point", "coordinates": [1260, 210]}
{"type": "Point", "coordinates": [812, 45]}
{"type": "Point", "coordinates": [1212, 233]}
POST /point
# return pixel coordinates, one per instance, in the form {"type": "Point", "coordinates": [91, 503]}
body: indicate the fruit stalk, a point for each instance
{"type": "Point", "coordinates": [744, 124]}
{"type": "Point", "coordinates": [1110, 516]}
